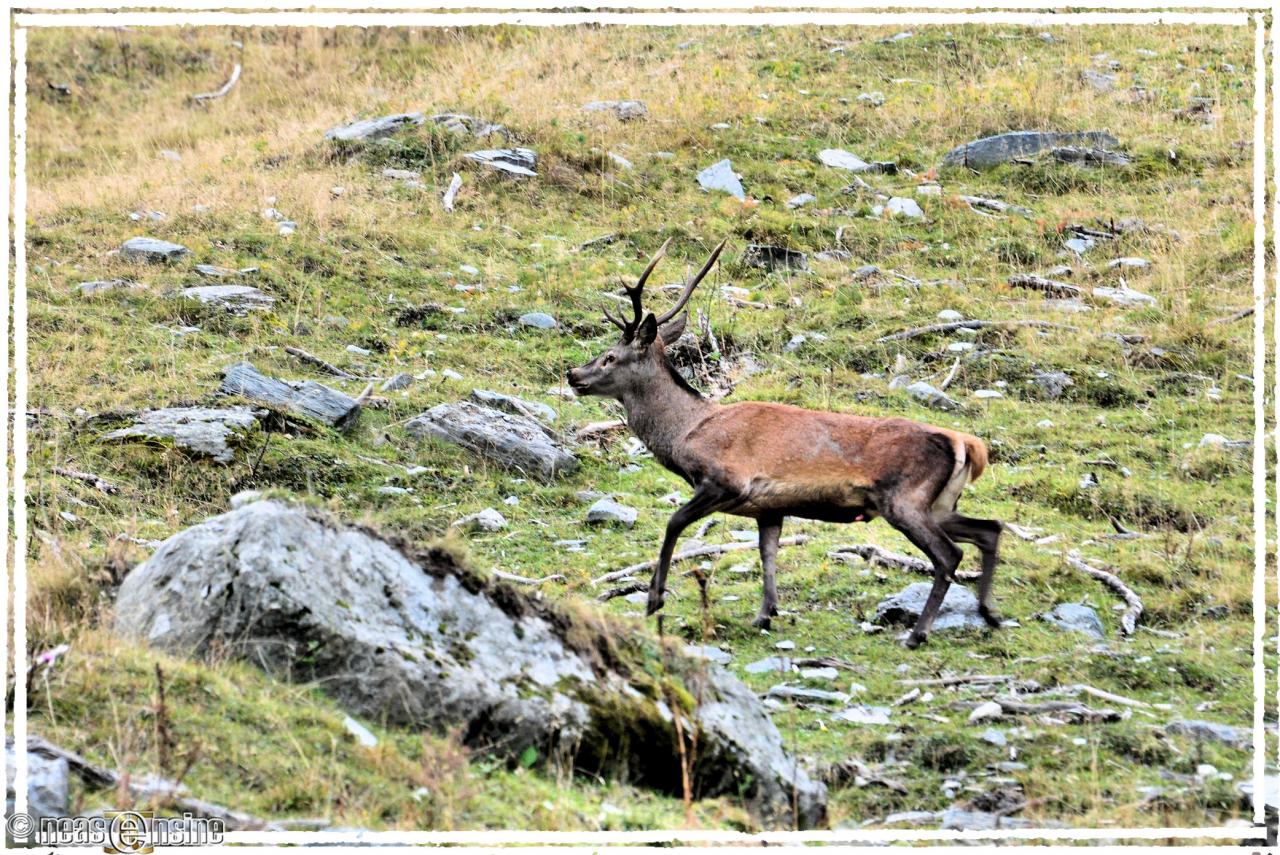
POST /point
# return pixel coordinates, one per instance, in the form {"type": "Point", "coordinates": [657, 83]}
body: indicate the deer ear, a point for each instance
{"type": "Point", "coordinates": [673, 329]}
{"type": "Point", "coordinates": [648, 330]}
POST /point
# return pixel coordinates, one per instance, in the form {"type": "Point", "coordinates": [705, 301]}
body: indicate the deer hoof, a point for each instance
{"type": "Point", "coordinates": [762, 622]}
{"type": "Point", "coordinates": [912, 641]}
{"type": "Point", "coordinates": [654, 606]}
{"type": "Point", "coordinates": [991, 616]}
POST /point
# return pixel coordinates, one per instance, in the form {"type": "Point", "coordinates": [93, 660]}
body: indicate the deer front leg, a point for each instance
{"type": "Point", "coordinates": [770, 532]}
{"type": "Point", "coordinates": [707, 499]}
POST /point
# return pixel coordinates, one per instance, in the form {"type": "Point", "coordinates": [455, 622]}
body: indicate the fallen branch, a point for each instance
{"type": "Point", "coordinates": [226, 87]}
{"type": "Point", "coordinates": [525, 580]}
{"type": "Point", "coordinates": [1236, 316]}
{"type": "Point", "coordinates": [88, 478]}
{"type": "Point", "coordinates": [1074, 710]}
{"type": "Point", "coordinates": [994, 205]}
{"type": "Point", "coordinates": [951, 375]}
{"type": "Point", "coordinates": [1113, 698]}
{"type": "Point", "coordinates": [1046, 286]}
{"type": "Point", "coordinates": [878, 557]}
{"type": "Point", "coordinates": [1020, 532]}
{"type": "Point", "coordinates": [945, 682]}
{"type": "Point", "coordinates": [622, 591]}
{"type": "Point", "coordinates": [454, 186]}
{"type": "Point", "coordinates": [696, 552]}
{"type": "Point", "coordinates": [916, 332]}
{"type": "Point", "coordinates": [595, 430]}
{"type": "Point", "coordinates": [1128, 621]}
{"type": "Point", "coordinates": [312, 359]}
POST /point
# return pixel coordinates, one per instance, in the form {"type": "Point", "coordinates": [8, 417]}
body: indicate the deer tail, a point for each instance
{"type": "Point", "coordinates": [975, 456]}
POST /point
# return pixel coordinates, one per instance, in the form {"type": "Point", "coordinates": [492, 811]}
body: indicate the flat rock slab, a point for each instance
{"type": "Point", "coordinates": [840, 159]}
{"type": "Point", "coordinates": [1001, 148]}
{"type": "Point", "coordinates": [236, 299]}
{"type": "Point", "coordinates": [372, 129]}
{"type": "Point", "coordinates": [512, 404]}
{"type": "Point", "coordinates": [609, 511]}
{"type": "Point", "coordinates": [101, 286]}
{"type": "Point", "coordinates": [774, 258]}
{"type": "Point", "coordinates": [412, 638]}
{"type": "Point", "coordinates": [152, 250]}
{"type": "Point", "coordinates": [215, 432]}
{"type": "Point", "coordinates": [1089, 156]}
{"type": "Point", "coordinates": [864, 714]}
{"type": "Point", "coordinates": [931, 396]}
{"type": "Point", "coordinates": [48, 783]}
{"type": "Point", "coordinates": [959, 608]}
{"type": "Point", "coordinates": [1077, 618]}
{"type": "Point", "coordinates": [625, 110]}
{"type": "Point", "coordinates": [306, 398]}
{"type": "Point", "coordinates": [509, 440]}
{"type": "Point", "coordinates": [513, 161]}
{"type": "Point", "coordinates": [720, 176]}
{"type": "Point", "coordinates": [1211, 731]}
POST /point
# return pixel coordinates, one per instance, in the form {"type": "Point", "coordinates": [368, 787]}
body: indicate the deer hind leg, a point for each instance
{"type": "Point", "coordinates": [984, 534]}
{"type": "Point", "coordinates": [706, 500]}
{"type": "Point", "coordinates": [923, 531]}
{"type": "Point", "coordinates": [770, 532]}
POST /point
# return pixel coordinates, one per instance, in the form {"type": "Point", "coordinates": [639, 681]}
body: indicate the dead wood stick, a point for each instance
{"type": "Point", "coordinates": [1236, 316]}
{"type": "Point", "coordinates": [1046, 286]}
{"type": "Point", "coordinates": [707, 524]}
{"type": "Point", "coordinates": [312, 359]}
{"type": "Point", "coordinates": [622, 590]}
{"type": "Point", "coordinates": [454, 186]}
{"type": "Point", "coordinates": [1020, 532]}
{"type": "Point", "coordinates": [595, 430]}
{"type": "Point", "coordinates": [696, 552]}
{"type": "Point", "coordinates": [1111, 697]}
{"type": "Point", "coordinates": [996, 205]}
{"type": "Point", "coordinates": [1129, 621]}
{"type": "Point", "coordinates": [916, 332]}
{"type": "Point", "coordinates": [1075, 709]}
{"type": "Point", "coordinates": [525, 580]}
{"type": "Point", "coordinates": [959, 681]}
{"type": "Point", "coordinates": [951, 375]}
{"type": "Point", "coordinates": [878, 557]}
{"type": "Point", "coordinates": [88, 478]}
{"type": "Point", "coordinates": [226, 87]}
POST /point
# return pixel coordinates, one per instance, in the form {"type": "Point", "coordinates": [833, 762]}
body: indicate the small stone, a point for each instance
{"type": "Point", "coordinates": [709, 652]}
{"type": "Point", "coordinates": [1077, 618]}
{"type": "Point", "coordinates": [994, 737]}
{"type": "Point", "coordinates": [864, 714]}
{"type": "Point", "coordinates": [609, 511]}
{"type": "Point", "coordinates": [538, 320]}
{"type": "Point", "coordinates": [931, 397]}
{"type": "Point", "coordinates": [720, 176]}
{"type": "Point", "coordinates": [1124, 296]}
{"type": "Point", "coordinates": [801, 200]}
{"type": "Point", "coordinates": [797, 693]}
{"type": "Point", "coordinates": [1044, 424]}
{"type": "Point", "coordinates": [841, 159]}
{"type": "Point", "coordinates": [1128, 262]}
{"type": "Point", "coordinates": [1051, 384]}
{"type": "Point", "coordinates": [1097, 81]}
{"type": "Point", "coordinates": [489, 520]}
{"type": "Point", "coordinates": [624, 110]}
{"type": "Point", "coordinates": [950, 315]}
{"type": "Point", "coordinates": [785, 645]}
{"type": "Point", "coordinates": [987, 394]}
{"type": "Point", "coordinates": [771, 663]}
{"type": "Point", "coordinates": [103, 285]}
{"type": "Point", "coordinates": [620, 161]}
{"type": "Point", "coordinates": [900, 205]}
{"type": "Point", "coordinates": [875, 99]}
{"type": "Point", "coordinates": [985, 711]}
{"type": "Point", "coordinates": [827, 673]}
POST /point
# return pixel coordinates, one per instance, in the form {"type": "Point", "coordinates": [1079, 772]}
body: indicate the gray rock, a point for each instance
{"type": "Point", "coordinates": [402, 380]}
{"type": "Point", "coordinates": [902, 206]}
{"type": "Point", "coordinates": [1211, 731]}
{"type": "Point", "coordinates": [841, 159]}
{"type": "Point", "coordinates": [1089, 156]}
{"type": "Point", "coordinates": [514, 161]}
{"type": "Point", "coordinates": [1077, 618]}
{"type": "Point", "coordinates": [215, 432]}
{"type": "Point", "coordinates": [362, 734]}
{"type": "Point", "coordinates": [774, 258]}
{"type": "Point", "coordinates": [992, 151]}
{"type": "Point", "coordinates": [1128, 263]}
{"type": "Point", "coordinates": [709, 652]}
{"type": "Point", "coordinates": [959, 608]}
{"type": "Point", "coordinates": [151, 249]}
{"type": "Point", "coordinates": [931, 397]}
{"type": "Point", "coordinates": [833, 255]}
{"type": "Point", "coordinates": [413, 639]}
{"type": "Point", "coordinates": [512, 441]}
{"type": "Point", "coordinates": [305, 398]}
{"type": "Point", "coordinates": [771, 663]}
{"type": "Point", "coordinates": [955, 819]}
{"type": "Point", "coordinates": [800, 693]}
{"type": "Point", "coordinates": [863, 714]}
{"type": "Point", "coordinates": [994, 737]}
{"type": "Point", "coordinates": [372, 129]}
{"type": "Point", "coordinates": [1098, 81]}
{"type": "Point", "coordinates": [1214, 440]}
{"type": "Point", "coordinates": [538, 320]}
{"type": "Point", "coordinates": [720, 176]}
{"type": "Point", "coordinates": [487, 520]}
{"type": "Point", "coordinates": [1123, 296]}
{"type": "Point", "coordinates": [947, 315]}
{"type": "Point", "coordinates": [401, 174]}
{"type": "Point", "coordinates": [48, 783]}
{"type": "Point", "coordinates": [236, 299]}
{"type": "Point", "coordinates": [463, 125]}
{"type": "Point", "coordinates": [512, 404]}
{"type": "Point", "coordinates": [800, 200]}
{"type": "Point", "coordinates": [625, 110]}
{"type": "Point", "coordinates": [101, 286]}
{"type": "Point", "coordinates": [911, 817]}
{"type": "Point", "coordinates": [1051, 384]}
{"type": "Point", "coordinates": [609, 511]}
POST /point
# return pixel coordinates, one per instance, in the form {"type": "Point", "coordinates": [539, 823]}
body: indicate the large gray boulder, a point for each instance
{"type": "Point", "coordinates": [306, 398]}
{"type": "Point", "coordinates": [959, 608]}
{"type": "Point", "coordinates": [372, 129]}
{"type": "Point", "coordinates": [992, 151]}
{"type": "Point", "coordinates": [48, 781]}
{"type": "Point", "coordinates": [509, 440]}
{"type": "Point", "coordinates": [411, 639]}
{"type": "Point", "coordinates": [216, 432]}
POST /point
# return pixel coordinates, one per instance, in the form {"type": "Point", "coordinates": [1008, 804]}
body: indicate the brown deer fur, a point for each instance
{"type": "Point", "coordinates": [770, 461]}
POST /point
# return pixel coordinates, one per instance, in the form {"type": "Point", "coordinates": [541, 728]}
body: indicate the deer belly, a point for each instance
{"type": "Point", "coordinates": [837, 503]}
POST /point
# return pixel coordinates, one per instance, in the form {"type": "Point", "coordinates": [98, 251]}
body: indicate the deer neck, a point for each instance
{"type": "Point", "coordinates": [662, 412]}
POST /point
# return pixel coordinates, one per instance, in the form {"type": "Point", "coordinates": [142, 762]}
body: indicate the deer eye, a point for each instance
{"type": "Point", "coordinates": [608, 358]}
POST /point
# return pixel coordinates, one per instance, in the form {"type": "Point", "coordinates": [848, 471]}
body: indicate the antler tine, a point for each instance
{"type": "Point", "coordinates": [617, 323]}
{"type": "Point", "coordinates": [657, 256]}
{"type": "Point", "coordinates": [692, 284]}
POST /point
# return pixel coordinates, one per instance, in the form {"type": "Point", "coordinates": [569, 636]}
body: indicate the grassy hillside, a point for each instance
{"type": "Point", "coordinates": [124, 140]}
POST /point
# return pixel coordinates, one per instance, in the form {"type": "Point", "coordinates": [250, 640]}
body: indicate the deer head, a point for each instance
{"type": "Point", "coordinates": [632, 361]}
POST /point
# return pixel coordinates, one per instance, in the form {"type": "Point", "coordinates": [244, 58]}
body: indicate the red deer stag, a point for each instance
{"type": "Point", "coordinates": [770, 461]}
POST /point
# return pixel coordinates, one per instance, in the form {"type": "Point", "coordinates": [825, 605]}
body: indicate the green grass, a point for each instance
{"type": "Point", "coordinates": [360, 259]}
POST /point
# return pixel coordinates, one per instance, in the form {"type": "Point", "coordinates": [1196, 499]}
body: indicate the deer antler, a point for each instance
{"type": "Point", "coordinates": [691, 284]}
{"type": "Point", "coordinates": [636, 293]}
